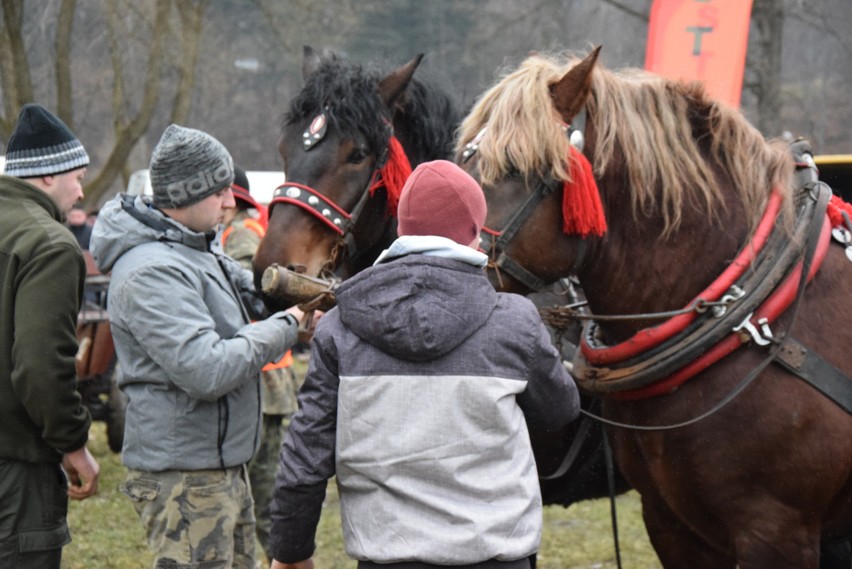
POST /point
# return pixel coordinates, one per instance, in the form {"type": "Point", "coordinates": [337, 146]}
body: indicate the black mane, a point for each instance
{"type": "Point", "coordinates": [425, 121]}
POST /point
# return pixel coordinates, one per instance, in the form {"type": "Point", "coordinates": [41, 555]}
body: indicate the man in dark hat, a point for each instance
{"type": "Point", "coordinates": [43, 424]}
{"type": "Point", "coordinates": [424, 387]}
{"type": "Point", "coordinates": [180, 313]}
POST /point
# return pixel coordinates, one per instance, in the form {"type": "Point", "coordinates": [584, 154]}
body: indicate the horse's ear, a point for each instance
{"type": "Point", "coordinates": [570, 93]}
{"type": "Point", "coordinates": [394, 83]}
{"type": "Point", "coordinates": [310, 61]}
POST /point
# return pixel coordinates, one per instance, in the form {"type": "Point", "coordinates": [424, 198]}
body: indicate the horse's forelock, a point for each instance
{"type": "Point", "coordinates": [348, 94]}
{"type": "Point", "coordinates": [524, 131]}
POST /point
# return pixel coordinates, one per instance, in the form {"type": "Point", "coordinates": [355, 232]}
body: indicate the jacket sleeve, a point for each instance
{"type": "Point", "coordinates": [551, 399]}
{"type": "Point", "coordinates": [243, 280]}
{"type": "Point", "coordinates": [307, 458]}
{"type": "Point", "coordinates": [163, 310]}
{"type": "Point", "coordinates": [47, 302]}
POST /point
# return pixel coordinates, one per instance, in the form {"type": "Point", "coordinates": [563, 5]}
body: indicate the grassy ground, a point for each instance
{"type": "Point", "coordinates": [107, 533]}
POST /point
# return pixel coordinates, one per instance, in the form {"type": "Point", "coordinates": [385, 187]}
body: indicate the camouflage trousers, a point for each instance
{"type": "Point", "coordinates": [195, 519]}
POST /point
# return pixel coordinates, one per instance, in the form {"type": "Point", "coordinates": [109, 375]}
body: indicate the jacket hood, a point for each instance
{"type": "Point", "coordinates": [127, 221]}
{"type": "Point", "coordinates": [417, 307]}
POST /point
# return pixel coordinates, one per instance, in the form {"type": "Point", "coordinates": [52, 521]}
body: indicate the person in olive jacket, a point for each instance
{"type": "Point", "coordinates": [43, 424]}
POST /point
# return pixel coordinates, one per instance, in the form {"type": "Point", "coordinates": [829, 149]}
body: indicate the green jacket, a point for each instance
{"type": "Point", "coordinates": [42, 273]}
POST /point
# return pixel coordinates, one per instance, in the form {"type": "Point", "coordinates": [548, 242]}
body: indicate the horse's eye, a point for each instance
{"type": "Point", "coordinates": [357, 156]}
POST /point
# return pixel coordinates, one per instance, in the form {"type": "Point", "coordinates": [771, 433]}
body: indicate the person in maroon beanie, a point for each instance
{"type": "Point", "coordinates": [424, 387]}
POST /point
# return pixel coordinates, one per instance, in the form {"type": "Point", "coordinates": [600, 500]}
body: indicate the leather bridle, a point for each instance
{"type": "Point", "coordinates": [495, 243]}
{"type": "Point", "coordinates": [326, 210]}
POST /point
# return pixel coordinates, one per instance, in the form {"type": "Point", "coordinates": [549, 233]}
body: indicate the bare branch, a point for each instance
{"type": "Point", "coordinates": [644, 16]}
{"type": "Point", "coordinates": [127, 136]}
{"type": "Point", "coordinates": [113, 34]}
{"type": "Point", "coordinates": [21, 85]}
{"type": "Point", "coordinates": [7, 85]}
{"type": "Point", "coordinates": [191, 17]}
{"type": "Point", "coordinates": [64, 106]}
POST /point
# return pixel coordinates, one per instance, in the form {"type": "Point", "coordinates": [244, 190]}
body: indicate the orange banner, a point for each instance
{"type": "Point", "coordinates": [704, 40]}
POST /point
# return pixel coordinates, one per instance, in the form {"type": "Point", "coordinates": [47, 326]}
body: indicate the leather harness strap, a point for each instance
{"type": "Point", "coordinates": [814, 369]}
{"type": "Point", "coordinates": [495, 242]}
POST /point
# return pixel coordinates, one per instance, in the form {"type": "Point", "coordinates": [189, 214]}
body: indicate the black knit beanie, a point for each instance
{"type": "Point", "coordinates": [188, 165]}
{"type": "Point", "coordinates": [42, 145]}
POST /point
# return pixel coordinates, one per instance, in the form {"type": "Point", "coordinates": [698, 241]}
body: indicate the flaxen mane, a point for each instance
{"type": "Point", "coordinates": [669, 134]}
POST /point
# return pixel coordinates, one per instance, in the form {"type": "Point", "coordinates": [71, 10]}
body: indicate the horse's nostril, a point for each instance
{"type": "Point", "coordinates": [301, 269]}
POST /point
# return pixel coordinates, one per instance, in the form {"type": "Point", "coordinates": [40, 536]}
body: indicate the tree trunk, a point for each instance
{"type": "Point", "coordinates": [64, 103]}
{"type": "Point", "coordinates": [768, 19]}
{"type": "Point", "coordinates": [15, 69]}
{"type": "Point", "coordinates": [129, 131]}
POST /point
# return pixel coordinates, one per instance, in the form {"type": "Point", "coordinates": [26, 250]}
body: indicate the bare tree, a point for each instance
{"type": "Point", "coordinates": [14, 68]}
{"type": "Point", "coordinates": [764, 62]}
{"type": "Point", "coordinates": [118, 71]}
{"type": "Point", "coordinates": [132, 109]}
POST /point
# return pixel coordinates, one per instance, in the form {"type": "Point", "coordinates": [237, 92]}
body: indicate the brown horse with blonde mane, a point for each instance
{"type": "Point", "coordinates": [692, 237]}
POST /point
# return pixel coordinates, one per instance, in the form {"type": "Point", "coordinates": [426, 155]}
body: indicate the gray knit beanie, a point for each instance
{"type": "Point", "coordinates": [188, 165]}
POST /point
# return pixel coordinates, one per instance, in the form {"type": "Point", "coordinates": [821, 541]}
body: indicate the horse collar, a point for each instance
{"type": "Point", "coordinates": [657, 360]}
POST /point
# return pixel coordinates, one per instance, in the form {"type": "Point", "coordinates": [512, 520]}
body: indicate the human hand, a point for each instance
{"type": "Point", "coordinates": [82, 471]}
{"type": "Point", "coordinates": [306, 564]}
{"type": "Point", "coordinates": [296, 311]}
{"type": "Point", "coordinates": [308, 325]}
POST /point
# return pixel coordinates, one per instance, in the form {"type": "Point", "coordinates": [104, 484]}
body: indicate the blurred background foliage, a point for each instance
{"type": "Point", "coordinates": [119, 71]}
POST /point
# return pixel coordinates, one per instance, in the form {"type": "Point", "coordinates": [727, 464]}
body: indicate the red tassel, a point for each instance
{"type": "Point", "coordinates": [836, 207]}
{"type": "Point", "coordinates": [394, 174]}
{"type": "Point", "coordinates": [582, 210]}
{"type": "Point", "coordinates": [263, 217]}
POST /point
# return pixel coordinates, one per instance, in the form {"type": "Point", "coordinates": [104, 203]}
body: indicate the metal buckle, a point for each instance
{"type": "Point", "coordinates": [747, 328]}
{"type": "Point", "coordinates": [734, 293]}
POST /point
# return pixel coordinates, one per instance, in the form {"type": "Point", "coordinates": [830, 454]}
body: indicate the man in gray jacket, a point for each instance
{"type": "Point", "coordinates": [180, 312]}
{"type": "Point", "coordinates": [423, 390]}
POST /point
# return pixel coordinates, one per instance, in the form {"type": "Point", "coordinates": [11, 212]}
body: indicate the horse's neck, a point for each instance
{"type": "Point", "coordinates": [632, 270]}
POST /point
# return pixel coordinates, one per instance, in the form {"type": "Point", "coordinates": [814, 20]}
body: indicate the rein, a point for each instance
{"type": "Point", "coordinates": [495, 243]}
{"type": "Point", "coordinates": [768, 275]}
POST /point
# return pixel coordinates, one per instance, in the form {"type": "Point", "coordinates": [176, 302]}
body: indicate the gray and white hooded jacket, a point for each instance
{"type": "Point", "coordinates": [190, 357]}
{"type": "Point", "coordinates": [423, 387]}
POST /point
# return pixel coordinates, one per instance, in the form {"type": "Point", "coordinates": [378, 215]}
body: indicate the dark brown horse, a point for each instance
{"type": "Point", "coordinates": [348, 142]}
{"type": "Point", "coordinates": [339, 168]}
{"type": "Point", "coordinates": [745, 464]}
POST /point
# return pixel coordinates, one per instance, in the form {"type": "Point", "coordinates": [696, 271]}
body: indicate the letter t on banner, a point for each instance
{"type": "Point", "coordinates": [703, 40]}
